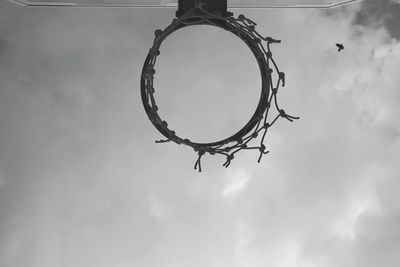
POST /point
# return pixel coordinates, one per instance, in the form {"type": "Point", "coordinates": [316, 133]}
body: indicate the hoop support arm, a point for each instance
{"type": "Point", "coordinates": [215, 7]}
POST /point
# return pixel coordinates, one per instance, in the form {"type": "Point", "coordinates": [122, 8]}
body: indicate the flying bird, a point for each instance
{"type": "Point", "coordinates": [340, 47]}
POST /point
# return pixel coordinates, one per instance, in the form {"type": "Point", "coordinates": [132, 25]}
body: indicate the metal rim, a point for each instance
{"type": "Point", "coordinates": [261, 107]}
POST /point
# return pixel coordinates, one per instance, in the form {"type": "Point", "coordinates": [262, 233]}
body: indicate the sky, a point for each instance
{"type": "Point", "coordinates": [82, 182]}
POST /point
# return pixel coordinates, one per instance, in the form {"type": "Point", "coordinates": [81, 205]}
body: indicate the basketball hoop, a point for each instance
{"type": "Point", "coordinates": [214, 13]}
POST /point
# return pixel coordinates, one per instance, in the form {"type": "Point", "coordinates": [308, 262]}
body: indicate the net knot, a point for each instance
{"type": "Point", "coordinates": [283, 114]}
{"type": "Point", "coordinates": [154, 52]}
{"type": "Point", "coordinates": [163, 141]}
{"type": "Point", "coordinates": [271, 40]}
{"type": "Point", "coordinates": [157, 32]}
{"type": "Point", "coordinates": [227, 149]}
{"type": "Point", "coordinates": [200, 153]}
{"type": "Point", "coordinates": [262, 152]}
{"type": "Point", "coordinates": [229, 158]}
{"type": "Point", "coordinates": [149, 73]}
{"type": "Point", "coordinates": [262, 148]}
{"type": "Point", "coordinates": [282, 78]}
{"type": "Point", "coordinates": [150, 89]}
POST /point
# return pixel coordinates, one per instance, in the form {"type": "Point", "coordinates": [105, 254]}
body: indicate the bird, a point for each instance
{"type": "Point", "coordinates": [340, 47]}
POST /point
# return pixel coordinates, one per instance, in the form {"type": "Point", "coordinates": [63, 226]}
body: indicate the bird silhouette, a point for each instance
{"type": "Point", "coordinates": [340, 47]}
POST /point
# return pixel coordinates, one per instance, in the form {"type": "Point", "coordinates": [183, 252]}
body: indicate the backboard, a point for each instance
{"type": "Point", "coordinates": [174, 3]}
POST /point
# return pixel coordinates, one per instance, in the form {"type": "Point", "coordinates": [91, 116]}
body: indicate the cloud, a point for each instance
{"type": "Point", "coordinates": [86, 185]}
{"type": "Point", "coordinates": [237, 181]}
{"type": "Point", "coordinates": [2, 180]}
{"type": "Point", "coordinates": [376, 13]}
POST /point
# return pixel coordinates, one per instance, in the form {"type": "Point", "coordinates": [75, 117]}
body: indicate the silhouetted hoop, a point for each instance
{"type": "Point", "coordinates": [244, 29]}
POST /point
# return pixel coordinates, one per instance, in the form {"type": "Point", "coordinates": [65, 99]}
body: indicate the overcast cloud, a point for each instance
{"type": "Point", "coordinates": [82, 182]}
